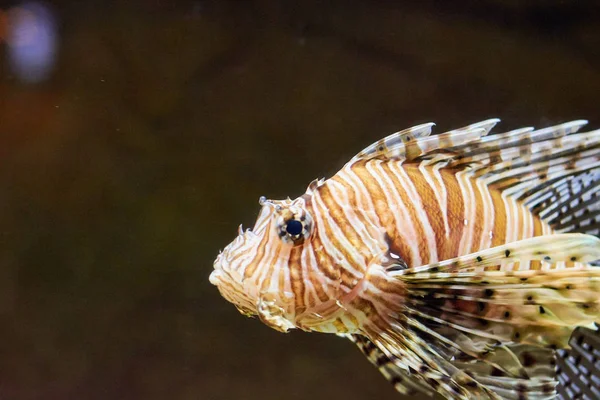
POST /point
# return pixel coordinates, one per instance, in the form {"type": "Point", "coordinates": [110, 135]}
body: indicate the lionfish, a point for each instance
{"type": "Point", "coordinates": [458, 262]}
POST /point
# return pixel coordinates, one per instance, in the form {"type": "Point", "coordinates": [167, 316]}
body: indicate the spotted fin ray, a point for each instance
{"type": "Point", "coordinates": [491, 334]}
{"type": "Point", "coordinates": [402, 381]}
{"type": "Point", "coordinates": [534, 307]}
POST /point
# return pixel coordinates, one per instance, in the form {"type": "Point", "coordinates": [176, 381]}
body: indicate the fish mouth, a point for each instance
{"type": "Point", "coordinates": [229, 291]}
{"type": "Point", "coordinates": [214, 277]}
{"type": "Point", "coordinates": [231, 286]}
{"type": "Point", "coordinates": [217, 272]}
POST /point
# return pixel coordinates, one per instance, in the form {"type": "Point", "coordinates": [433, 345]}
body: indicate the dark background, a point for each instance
{"type": "Point", "coordinates": [160, 123]}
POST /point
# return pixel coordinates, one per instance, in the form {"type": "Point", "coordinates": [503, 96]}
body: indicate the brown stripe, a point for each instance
{"type": "Point", "coordinates": [500, 220]}
{"type": "Point", "coordinates": [388, 286]}
{"type": "Point", "coordinates": [351, 194]}
{"type": "Point", "coordinates": [270, 267]}
{"type": "Point", "coordinates": [431, 205]}
{"type": "Point", "coordinates": [456, 214]}
{"type": "Point", "coordinates": [296, 278]}
{"type": "Point", "coordinates": [324, 259]}
{"type": "Point", "coordinates": [348, 279]}
{"type": "Point", "coordinates": [262, 247]}
{"type": "Point", "coordinates": [477, 230]}
{"type": "Point", "coordinates": [336, 213]}
{"type": "Point", "coordinates": [316, 275]}
{"type": "Point", "coordinates": [382, 209]}
{"type": "Point", "coordinates": [414, 219]}
{"type": "Point", "coordinates": [238, 252]}
{"type": "Point", "coordinates": [537, 226]}
{"type": "Point", "coordinates": [362, 209]}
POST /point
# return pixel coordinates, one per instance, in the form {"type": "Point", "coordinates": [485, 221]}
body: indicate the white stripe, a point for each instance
{"type": "Point", "coordinates": [316, 272]}
{"type": "Point", "coordinates": [466, 189]}
{"type": "Point", "coordinates": [439, 190]}
{"type": "Point", "coordinates": [417, 204]}
{"type": "Point", "coordinates": [489, 216]}
{"type": "Point", "coordinates": [357, 258]}
{"type": "Point", "coordinates": [364, 202]}
{"type": "Point", "coordinates": [404, 225]}
{"type": "Point", "coordinates": [367, 240]}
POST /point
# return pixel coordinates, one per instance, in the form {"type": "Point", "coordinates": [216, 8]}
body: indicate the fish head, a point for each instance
{"type": "Point", "coordinates": [253, 271]}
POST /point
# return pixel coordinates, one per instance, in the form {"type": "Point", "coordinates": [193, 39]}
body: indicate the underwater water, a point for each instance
{"type": "Point", "coordinates": [136, 136]}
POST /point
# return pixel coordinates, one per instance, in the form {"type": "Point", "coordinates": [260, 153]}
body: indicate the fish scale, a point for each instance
{"type": "Point", "coordinates": [458, 262]}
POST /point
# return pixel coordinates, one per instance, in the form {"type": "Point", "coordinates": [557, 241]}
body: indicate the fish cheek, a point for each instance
{"type": "Point", "coordinates": [272, 314]}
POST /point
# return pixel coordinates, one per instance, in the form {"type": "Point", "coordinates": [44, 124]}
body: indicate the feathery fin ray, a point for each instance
{"type": "Point", "coordinates": [498, 328]}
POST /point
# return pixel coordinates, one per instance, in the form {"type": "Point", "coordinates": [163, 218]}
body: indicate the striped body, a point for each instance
{"type": "Point", "coordinates": [429, 214]}
{"type": "Point", "coordinates": [421, 214]}
{"type": "Point", "coordinates": [438, 255]}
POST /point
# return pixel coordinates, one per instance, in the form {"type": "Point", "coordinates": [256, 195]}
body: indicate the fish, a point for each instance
{"type": "Point", "coordinates": [459, 263]}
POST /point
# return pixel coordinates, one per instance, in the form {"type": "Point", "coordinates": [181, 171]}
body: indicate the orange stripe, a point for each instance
{"type": "Point", "coordinates": [432, 207]}
{"type": "Point", "coordinates": [382, 209]}
{"type": "Point", "coordinates": [456, 215]}
{"type": "Point", "coordinates": [296, 278]}
{"type": "Point", "coordinates": [500, 221]}
{"type": "Point", "coordinates": [268, 275]}
{"type": "Point", "coordinates": [414, 219]}
{"type": "Point", "coordinates": [335, 212]}
{"type": "Point", "coordinates": [348, 278]}
{"type": "Point", "coordinates": [477, 229]}
{"type": "Point", "coordinates": [259, 254]}
{"type": "Point", "coordinates": [324, 259]}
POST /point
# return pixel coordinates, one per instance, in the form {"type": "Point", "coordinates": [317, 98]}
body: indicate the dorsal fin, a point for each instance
{"type": "Point", "coordinates": [415, 142]}
{"type": "Point", "coordinates": [555, 171]}
{"type": "Point", "coordinates": [395, 142]}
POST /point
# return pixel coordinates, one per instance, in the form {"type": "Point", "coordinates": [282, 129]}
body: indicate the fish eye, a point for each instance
{"type": "Point", "coordinates": [294, 227]}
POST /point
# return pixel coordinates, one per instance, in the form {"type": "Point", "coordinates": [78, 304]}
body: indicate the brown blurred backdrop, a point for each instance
{"type": "Point", "coordinates": [147, 130]}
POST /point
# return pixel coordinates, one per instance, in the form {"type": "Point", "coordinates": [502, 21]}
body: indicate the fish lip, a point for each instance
{"type": "Point", "coordinates": [217, 272]}
{"type": "Point", "coordinates": [215, 277]}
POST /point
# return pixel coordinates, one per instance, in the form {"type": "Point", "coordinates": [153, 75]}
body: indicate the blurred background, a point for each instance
{"type": "Point", "coordinates": [135, 136]}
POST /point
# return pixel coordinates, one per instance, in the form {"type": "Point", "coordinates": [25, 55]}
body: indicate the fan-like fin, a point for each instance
{"type": "Point", "coordinates": [474, 378]}
{"type": "Point", "coordinates": [578, 368]}
{"type": "Point", "coordinates": [484, 332]}
{"type": "Point", "coordinates": [575, 206]}
{"type": "Point", "coordinates": [423, 361]}
{"type": "Point", "coordinates": [402, 381]}
{"type": "Point", "coordinates": [536, 307]}
{"type": "Point", "coordinates": [550, 249]}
